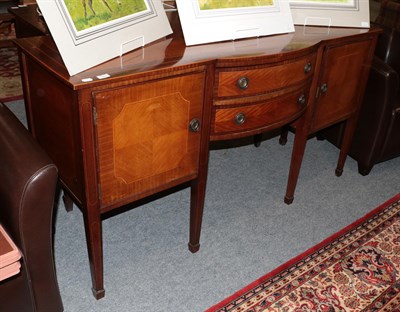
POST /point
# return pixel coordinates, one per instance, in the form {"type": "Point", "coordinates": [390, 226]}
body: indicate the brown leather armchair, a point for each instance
{"type": "Point", "coordinates": [27, 192]}
{"type": "Point", "coordinates": [377, 136]}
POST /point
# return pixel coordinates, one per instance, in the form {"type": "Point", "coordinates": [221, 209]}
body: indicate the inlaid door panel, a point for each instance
{"type": "Point", "coordinates": [143, 136]}
{"type": "Point", "coordinates": [339, 83]}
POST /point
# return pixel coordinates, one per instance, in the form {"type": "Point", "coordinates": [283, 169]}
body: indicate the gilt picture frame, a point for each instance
{"type": "Point", "coordinates": [90, 32]}
{"type": "Point", "coordinates": [206, 21]}
{"type": "Point", "coordinates": [341, 13]}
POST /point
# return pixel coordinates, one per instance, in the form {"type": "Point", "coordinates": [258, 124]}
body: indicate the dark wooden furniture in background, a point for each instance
{"type": "Point", "coordinates": [147, 127]}
{"type": "Point", "coordinates": [28, 22]}
{"type": "Point", "coordinates": [6, 23]}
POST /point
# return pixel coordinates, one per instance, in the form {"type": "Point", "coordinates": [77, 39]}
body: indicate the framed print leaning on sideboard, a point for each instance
{"type": "Point", "coordinates": [343, 13]}
{"type": "Point", "coordinates": [88, 32]}
{"type": "Point", "coordinates": [206, 21]}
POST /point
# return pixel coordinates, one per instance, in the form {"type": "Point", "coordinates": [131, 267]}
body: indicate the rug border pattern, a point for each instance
{"type": "Point", "coordinates": [286, 277]}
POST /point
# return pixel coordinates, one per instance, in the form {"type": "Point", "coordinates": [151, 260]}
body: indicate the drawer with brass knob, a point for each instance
{"type": "Point", "coordinates": [260, 116]}
{"type": "Point", "coordinates": [258, 80]}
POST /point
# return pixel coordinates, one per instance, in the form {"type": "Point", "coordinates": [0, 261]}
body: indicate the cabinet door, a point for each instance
{"type": "Point", "coordinates": [340, 80]}
{"type": "Point", "coordinates": [144, 139]}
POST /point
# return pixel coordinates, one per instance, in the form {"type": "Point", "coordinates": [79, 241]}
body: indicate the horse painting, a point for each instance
{"type": "Point", "coordinates": [90, 3]}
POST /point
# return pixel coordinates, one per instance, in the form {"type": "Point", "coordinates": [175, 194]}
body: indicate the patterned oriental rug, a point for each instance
{"type": "Point", "coordinates": [10, 78]}
{"type": "Point", "coordinates": [356, 269]}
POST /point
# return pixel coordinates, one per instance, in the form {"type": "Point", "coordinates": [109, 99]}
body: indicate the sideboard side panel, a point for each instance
{"type": "Point", "coordinates": [54, 122]}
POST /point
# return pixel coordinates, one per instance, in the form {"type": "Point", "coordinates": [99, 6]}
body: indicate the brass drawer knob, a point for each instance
{"type": "Point", "coordinates": [324, 88]}
{"type": "Point", "coordinates": [240, 118]}
{"type": "Point", "coordinates": [243, 83]}
{"type": "Point", "coordinates": [301, 100]}
{"type": "Point", "coordinates": [194, 125]}
{"type": "Point", "coordinates": [307, 68]}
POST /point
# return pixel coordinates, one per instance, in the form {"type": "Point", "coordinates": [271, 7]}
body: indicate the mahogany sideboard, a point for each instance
{"type": "Point", "coordinates": [142, 123]}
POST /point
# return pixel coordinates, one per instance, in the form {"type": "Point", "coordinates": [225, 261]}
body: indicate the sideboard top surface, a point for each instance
{"type": "Point", "coordinates": [171, 52]}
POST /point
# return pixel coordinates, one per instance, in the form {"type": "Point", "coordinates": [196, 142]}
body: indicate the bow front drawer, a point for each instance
{"type": "Point", "coordinates": [261, 116]}
{"type": "Point", "coordinates": [257, 80]}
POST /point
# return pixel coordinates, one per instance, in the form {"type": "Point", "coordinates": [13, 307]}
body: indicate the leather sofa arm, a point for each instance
{"type": "Point", "coordinates": [27, 193]}
{"type": "Point", "coordinates": [382, 86]}
{"type": "Point", "coordinates": [388, 47]}
{"type": "Point", "coordinates": [380, 101]}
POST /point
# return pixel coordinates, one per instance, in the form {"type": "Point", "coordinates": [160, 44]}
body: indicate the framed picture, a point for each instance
{"type": "Point", "coordinates": [205, 21]}
{"type": "Point", "coordinates": [343, 13]}
{"type": "Point", "coordinates": [90, 32]}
